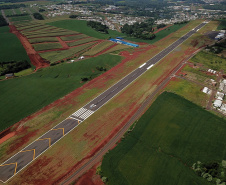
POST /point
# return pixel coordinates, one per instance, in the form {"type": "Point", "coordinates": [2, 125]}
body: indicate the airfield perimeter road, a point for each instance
{"type": "Point", "coordinates": [24, 157]}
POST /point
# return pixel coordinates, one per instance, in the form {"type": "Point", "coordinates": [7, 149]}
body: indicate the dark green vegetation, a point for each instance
{"type": "Point", "coordinates": [211, 170]}
{"type": "Point", "coordinates": [218, 47]}
{"type": "Point", "coordinates": [13, 67]}
{"type": "Point", "coordinates": [12, 6]}
{"type": "Point", "coordinates": [222, 25]}
{"type": "Point", "coordinates": [98, 26]}
{"type": "Point", "coordinates": [11, 48]}
{"type": "Point", "coordinates": [3, 21]}
{"type": "Point", "coordinates": [25, 95]}
{"type": "Point", "coordinates": [38, 16]}
{"type": "Point", "coordinates": [167, 140]}
{"type": "Point", "coordinates": [210, 60]}
{"type": "Point", "coordinates": [81, 26]}
{"type": "Point", "coordinates": [73, 16]}
{"type": "Point", "coordinates": [17, 15]}
{"type": "Point", "coordinates": [139, 30]}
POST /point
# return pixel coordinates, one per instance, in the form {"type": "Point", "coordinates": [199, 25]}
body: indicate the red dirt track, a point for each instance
{"type": "Point", "coordinates": [35, 58]}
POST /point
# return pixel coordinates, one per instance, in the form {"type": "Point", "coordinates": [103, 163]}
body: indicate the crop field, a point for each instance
{"type": "Point", "coordinates": [98, 48]}
{"type": "Point", "coordinates": [11, 48]}
{"type": "Point", "coordinates": [222, 24]}
{"type": "Point", "coordinates": [210, 60]}
{"type": "Point", "coordinates": [81, 26]}
{"type": "Point", "coordinates": [46, 46]}
{"type": "Point", "coordinates": [74, 37]}
{"type": "Point", "coordinates": [167, 140]}
{"type": "Point", "coordinates": [82, 41]}
{"type": "Point", "coordinates": [54, 56]}
{"type": "Point", "coordinates": [17, 11]}
{"type": "Point", "coordinates": [8, 12]}
{"type": "Point", "coordinates": [21, 18]}
{"type": "Point", "coordinates": [49, 84]}
{"type": "Point", "coordinates": [43, 39]}
{"type": "Point", "coordinates": [51, 34]}
{"type": "Point", "coordinates": [118, 48]}
{"type": "Point", "coordinates": [35, 28]}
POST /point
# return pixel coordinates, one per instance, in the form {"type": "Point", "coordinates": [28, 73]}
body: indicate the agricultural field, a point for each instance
{"type": "Point", "coordinates": [55, 56]}
{"type": "Point", "coordinates": [74, 37]}
{"type": "Point", "coordinates": [47, 46]}
{"type": "Point", "coordinates": [80, 26]}
{"type": "Point", "coordinates": [164, 143]}
{"type": "Point", "coordinates": [98, 48]}
{"type": "Point", "coordinates": [43, 39]}
{"type": "Point", "coordinates": [11, 48]}
{"type": "Point", "coordinates": [21, 18]}
{"type": "Point", "coordinates": [210, 60]}
{"type": "Point", "coordinates": [81, 41]}
{"type": "Point", "coordinates": [222, 24]}
{"type": "Point", "coordinates": [45, 86]}
{"type": "Point", "coordinates": [118, 48]}
{"type": "Point", "coordinates": [8, 12]}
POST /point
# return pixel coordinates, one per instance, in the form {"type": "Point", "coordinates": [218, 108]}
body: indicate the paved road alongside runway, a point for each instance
{"type": "Point", "coordinates": [20, 160]}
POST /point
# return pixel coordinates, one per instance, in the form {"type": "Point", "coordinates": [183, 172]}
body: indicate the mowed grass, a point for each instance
{"type": "Point", "coordinates": [172, 135]}
{"type": "Point", "coordinates": [46, 46]}
{"type": "Point", "coordinates": [81, 26]}
{"type": "Point", "coordinates": [11, 48]}
{"type": "Point", "coordinates": [43, 39]}
{"type": "Point", "coordinates": [54, 56]}
{"type": "Point", "coordinates": [98, 48]}
{"type": "Point", "coordinates": [20, 97]}
{"type": "Point", "coordinates": [210, 60]}
{"type": "Point", "coordinates": [82, 41]}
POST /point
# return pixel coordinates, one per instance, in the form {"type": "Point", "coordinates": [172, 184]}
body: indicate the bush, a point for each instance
{"type": "Point", "coordinates": [73, 16]}
{"type": "Point", "coordinates": [38, 16]}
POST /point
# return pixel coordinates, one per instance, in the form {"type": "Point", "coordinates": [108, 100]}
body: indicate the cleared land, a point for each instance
{"type": "Point", "coordinates": [46, 46]}
{"type": "Point", "coordinates": [54, 56]}
{"type": "Point", "coordinates": [42, 88]}
{"type": "Point", "coordinates": [165, 143]}
{"type": "Point", "coordinates": [11, 48]}
{"type": "Point", "coordinates": [98, 48]}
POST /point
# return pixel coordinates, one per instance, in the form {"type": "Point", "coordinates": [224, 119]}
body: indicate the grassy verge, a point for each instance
{"type": "Point", "coordinates": [42, 88]}
{"type": "Point", "coordinates": [165, 143]}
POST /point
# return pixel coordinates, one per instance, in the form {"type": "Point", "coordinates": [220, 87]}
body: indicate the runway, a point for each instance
{"type": "Point", "coordinates": [20, 160]}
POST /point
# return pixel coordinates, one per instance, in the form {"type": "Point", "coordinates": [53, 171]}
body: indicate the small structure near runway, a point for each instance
{"type": "Point", "coordinates": [120, 41]}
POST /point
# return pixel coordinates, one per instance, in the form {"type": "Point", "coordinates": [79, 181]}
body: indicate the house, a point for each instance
{"type": "Point", "coordinates": [220, 95]}
{"type": "Point", "coordinates": [217, 103]}
{"type": "Point", "coordinates": [10, 75]}
{"type": "Point", "coordinates": [206, 90]}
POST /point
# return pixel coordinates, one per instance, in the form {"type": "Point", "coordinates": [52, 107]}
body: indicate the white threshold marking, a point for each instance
{"type": "Point", "coordinates": [142, 65]}
{"type": "Point", "coordinates": [150, 66]}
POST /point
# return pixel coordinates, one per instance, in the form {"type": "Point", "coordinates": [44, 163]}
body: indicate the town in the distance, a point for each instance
{"type": "Point", "coordinates": [112, 92]}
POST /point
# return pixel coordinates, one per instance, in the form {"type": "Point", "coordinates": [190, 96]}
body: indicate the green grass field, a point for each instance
{"type": "Point", "coordinates": [222, 25]}
{"type": "Point", "coordinates": [11, 48]}
{"type": "Point", "coordinates": [43, 39]}
{"type": "Point", "coordinates": [20, 97]}
{"type": "Point", "coordinates": [17, 11]}
{"type": "Point", "coordinates": [51, 34]}
{"type": "Point", "coordinates": [8, 12]}
{"type": "Point", "coordinates": [98, 48]}
{"type": "Point", "coordinates": [167, 140]}
{"type": "Point", "coordinates": [80, 26]}
{"type": "Point", "coordinates": [21, 18]}
{"type": "Point", "coordinates": [210, 60]}
{"type": "Point", "coordinates": [54, 56]}
{"type": "Point", "coordinates": [82, 41]}
{"type": "Point", "coordinates": [74, 37]}
{"type": "Point", "coordinates": [46, 46]}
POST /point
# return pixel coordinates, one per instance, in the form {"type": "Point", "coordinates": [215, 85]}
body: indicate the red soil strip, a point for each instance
{"type": "Point", "coordinates": [63, 44]}
{"type": "Point", "coordinates": [3, 139]}
{"type": "Point", "coordinates": [35, 58]}
{"type": "Point", "coordinates": [162, 29]}
{"type": "Point", "coordinates": [90, 177]}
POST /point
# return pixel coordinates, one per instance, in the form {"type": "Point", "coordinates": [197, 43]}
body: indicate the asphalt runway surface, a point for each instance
{"type": "Point", "coordinates": [20, 160]}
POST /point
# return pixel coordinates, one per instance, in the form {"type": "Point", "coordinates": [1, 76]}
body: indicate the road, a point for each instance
{"type": "Point", "coordinates": [20, 160]}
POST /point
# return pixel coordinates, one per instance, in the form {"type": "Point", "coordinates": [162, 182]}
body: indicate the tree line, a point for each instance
{"type": "Point", "coordinates": [139, 30]}
{"type": "Point", "coordinates": [3, 21]}
{"type": "Point", "coordinates": [13, 67]}
{"type": "Point", "coordinates": [14, 6]}
{"type": "Point", "coordinates": [17, 15]}
{"type": "Point", "coordinates": [98, 26]}
{"type": "Point", "coordinates": [38, 16]}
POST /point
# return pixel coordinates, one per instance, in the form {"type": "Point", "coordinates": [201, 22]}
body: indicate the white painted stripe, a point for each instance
{"type": "Point", "coordinates": [150, 66]}
{"type": "Point", "coordinates": [142, 65]}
